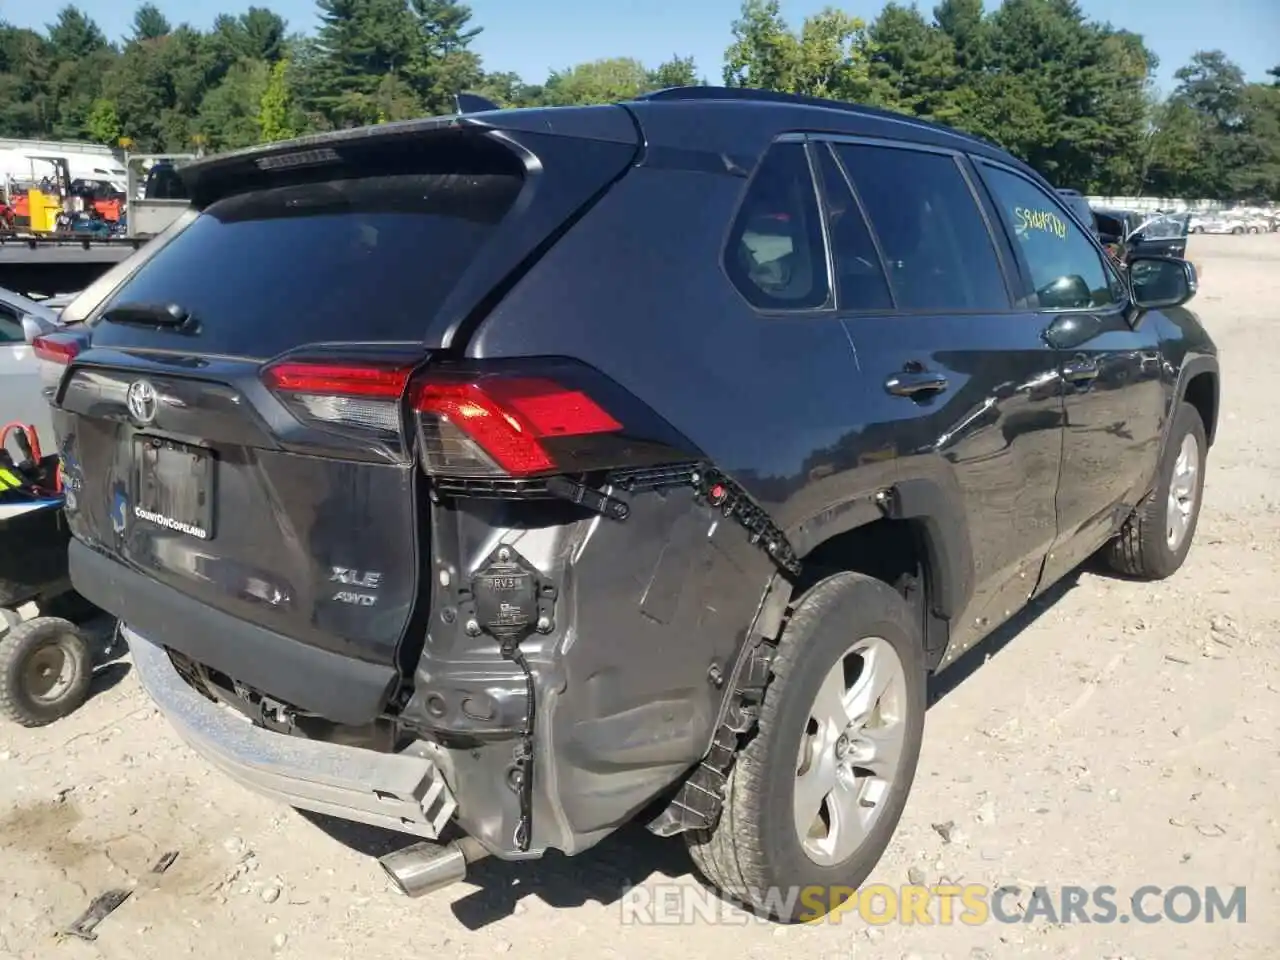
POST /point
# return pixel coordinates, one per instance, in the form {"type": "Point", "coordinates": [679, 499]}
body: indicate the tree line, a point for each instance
{"type": "Point", "coordinates": [1072, 96]}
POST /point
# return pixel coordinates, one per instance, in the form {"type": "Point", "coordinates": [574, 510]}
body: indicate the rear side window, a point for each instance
{"type": "Point", "coordinates": [358, 258]}
{"type": "Point", "coordinates": [776, 256]}
{"type": "Point", "coordinates": [936, 245]}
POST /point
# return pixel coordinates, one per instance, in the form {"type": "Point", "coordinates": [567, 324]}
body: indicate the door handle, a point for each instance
{"type": "Point", "coordinates": [915, 384]}
{"type": "Point", "coordinates": [1080, 370]}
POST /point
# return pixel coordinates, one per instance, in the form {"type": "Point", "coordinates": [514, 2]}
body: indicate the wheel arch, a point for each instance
{"type": "Point", "coordinates": [1197, 383]}
{"type": "Point", "coordinates": [911, 534]}
{"type": "Point", "coordinates": [1200, 387]}
{"type": "Point", "coordinates": [922, 525]}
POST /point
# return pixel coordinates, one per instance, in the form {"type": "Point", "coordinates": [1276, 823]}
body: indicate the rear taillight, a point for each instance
{"type": "Point", "coordinates": [54, 352]}
{"type": "Point", "coordinates": [363, 396]}
{"type": "Point", "coordinates": [56, 348]}
{"type": "Point", "coordinates": [479, 420]}
{"type": "Point", "coordinates": [502, 425]}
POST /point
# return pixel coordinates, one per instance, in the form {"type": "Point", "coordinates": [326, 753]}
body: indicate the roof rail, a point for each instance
{"type": "Point", "coordinates": [799, 99]}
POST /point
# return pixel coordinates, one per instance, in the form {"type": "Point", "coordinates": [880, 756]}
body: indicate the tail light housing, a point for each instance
{"type": "Point", "coordinates": [504, 425]}
{"type": "Point", "coordinates": [359, 395]}
{"type": "Point", "coordinates": [482, 420]}
{"type": "Point", "coordinates": [54, 353]}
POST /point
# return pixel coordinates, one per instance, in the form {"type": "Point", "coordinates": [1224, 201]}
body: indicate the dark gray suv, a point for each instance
{"type": "Point", "coordinates": [520, 473]}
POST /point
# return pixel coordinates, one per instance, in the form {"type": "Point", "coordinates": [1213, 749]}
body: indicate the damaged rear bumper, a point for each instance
{"type": "Point", "coordinates": [401, 791]}
{"type": "Point", "coordinates": [550, 740]}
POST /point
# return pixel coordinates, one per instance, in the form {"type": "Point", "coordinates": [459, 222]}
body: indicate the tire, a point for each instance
{"type": "Point", "coordinates": [1144, 549]}
{"type": "Point", "coordinates": [754, 853]}
{"type": "Point", "coordinates": [29, 653]}
{"type": "Point", "coordinates": [1237, 229]}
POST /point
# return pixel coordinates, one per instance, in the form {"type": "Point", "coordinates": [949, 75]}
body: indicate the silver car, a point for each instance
{"type": "Point", "coordinates": [21, 399]}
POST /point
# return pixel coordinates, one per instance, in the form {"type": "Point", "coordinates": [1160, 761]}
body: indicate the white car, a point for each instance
{"type": "Point", "coordinates": [1223, 223]}
{"type": "Point", "coordinates": [21, 398]}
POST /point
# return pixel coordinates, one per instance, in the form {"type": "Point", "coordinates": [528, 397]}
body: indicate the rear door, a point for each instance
{"type": "Point", "coordinates": [233, 426]}
{"type": "Point", "coordinates": [972, 396]}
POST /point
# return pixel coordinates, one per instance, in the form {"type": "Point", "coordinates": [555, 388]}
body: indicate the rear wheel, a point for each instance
{"type": "Point", "coordinates": [815, 795]}
{"type": "Point", "coordinates": [1154, 542]}
{"type": "Point", "coordinates": [45, 670]}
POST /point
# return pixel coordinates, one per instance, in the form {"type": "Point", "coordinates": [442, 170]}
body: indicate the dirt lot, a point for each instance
{"type": "Point", "coordinates": [1120, 734]}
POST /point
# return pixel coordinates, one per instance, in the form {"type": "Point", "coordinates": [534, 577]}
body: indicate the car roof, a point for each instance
{"type": "Point", "coordinates": [731, 126]}
{"type": "Point", "coordinates": [715, 116]}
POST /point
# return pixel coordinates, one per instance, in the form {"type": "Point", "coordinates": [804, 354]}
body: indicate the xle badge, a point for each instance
{"type": "Point", "coordinates": [365, 579]}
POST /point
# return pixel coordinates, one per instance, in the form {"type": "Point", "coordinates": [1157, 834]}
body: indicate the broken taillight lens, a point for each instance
{"type": "Point", "coordinates": [359, 395]}
{"type": "Point", "coordinates": [498, 425]}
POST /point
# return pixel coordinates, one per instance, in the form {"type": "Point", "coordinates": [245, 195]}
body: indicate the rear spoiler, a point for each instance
{"type": "Point", "coordinates": [473, 103]}
{"type": "Point", "coordinates": [209, 178]}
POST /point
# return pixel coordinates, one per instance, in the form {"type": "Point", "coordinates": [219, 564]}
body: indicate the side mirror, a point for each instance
{"type": "Point", "coordinates": [1161, 282]}
{"type": "Point", "coordinates": [1071, 330]}
{"type": "Point", "coordinates": [33, 326]}
{"type": "Point", "coordinates": [1066, 293]}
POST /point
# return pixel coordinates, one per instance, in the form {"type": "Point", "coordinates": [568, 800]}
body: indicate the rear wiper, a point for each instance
{"type": "Point", "coordinates": [149, 314]}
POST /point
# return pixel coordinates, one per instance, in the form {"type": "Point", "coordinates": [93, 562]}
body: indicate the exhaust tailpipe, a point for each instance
{"type": "Point", "coordinates": [426, 867]}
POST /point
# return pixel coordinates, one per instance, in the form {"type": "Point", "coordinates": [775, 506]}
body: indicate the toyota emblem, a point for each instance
{"type": "Point", "coordinates": [141, 401]}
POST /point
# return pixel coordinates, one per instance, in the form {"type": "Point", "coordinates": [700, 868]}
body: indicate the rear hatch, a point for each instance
{"type": "Point", "coordinates": [231, 417]}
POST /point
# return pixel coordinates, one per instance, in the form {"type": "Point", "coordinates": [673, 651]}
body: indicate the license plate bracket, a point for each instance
{"type": "Point", "coordinates": [174, 486]}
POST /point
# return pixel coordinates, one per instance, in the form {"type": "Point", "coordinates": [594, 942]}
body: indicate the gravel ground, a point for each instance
{"type": "Point", "coordinates": [1119, 733]}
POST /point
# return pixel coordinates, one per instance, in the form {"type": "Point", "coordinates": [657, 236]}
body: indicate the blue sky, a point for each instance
{"type": "Point", "coordinates": [534, 36]}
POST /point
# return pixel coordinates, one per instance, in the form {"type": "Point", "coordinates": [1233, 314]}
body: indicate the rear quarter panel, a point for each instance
{"type": "Point", "coordinates": [636, 290]}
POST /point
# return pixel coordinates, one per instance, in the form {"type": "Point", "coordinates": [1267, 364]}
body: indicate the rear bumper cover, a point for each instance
{"type": "Point", "coordinates": [401, 792]}
{"type": "Point", "coordinates": [329, 684]}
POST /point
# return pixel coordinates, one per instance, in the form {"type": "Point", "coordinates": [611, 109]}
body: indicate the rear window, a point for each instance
{"type": "Point", "coordinates": [355, 259]}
